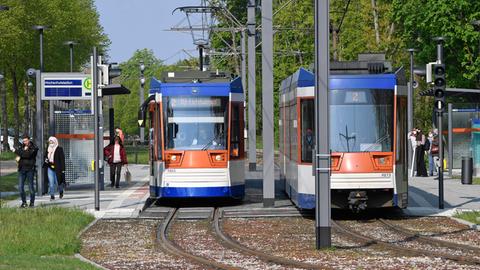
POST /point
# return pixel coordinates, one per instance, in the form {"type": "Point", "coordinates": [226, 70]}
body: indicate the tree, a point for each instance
{"type": "Point", "coordinates": [19, 45]}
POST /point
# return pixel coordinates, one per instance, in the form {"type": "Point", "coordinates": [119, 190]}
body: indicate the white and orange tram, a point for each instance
{"type": "Point", "coordinates": [196, 135]}
{"type": "Point", "coordinates": [367, 138]}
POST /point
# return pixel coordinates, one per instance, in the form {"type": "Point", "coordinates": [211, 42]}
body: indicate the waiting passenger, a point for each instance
{"type": "Point", "coordinates": [55, 164]}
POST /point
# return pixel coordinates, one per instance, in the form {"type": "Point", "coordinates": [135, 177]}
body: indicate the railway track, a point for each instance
{"type": "Point", "coordinates": [411, 237]}
{"type": "Point", "coordinates": [429, 239]}
{"type": "Point", "coordinates": [168, 244]}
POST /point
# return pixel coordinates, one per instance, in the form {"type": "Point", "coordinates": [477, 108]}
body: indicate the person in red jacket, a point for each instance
{"type": "Point", "coordinates": [116, 158]}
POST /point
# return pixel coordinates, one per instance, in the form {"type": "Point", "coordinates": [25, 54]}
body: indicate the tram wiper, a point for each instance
{"type": "Point", "coordinates": [213, 140]}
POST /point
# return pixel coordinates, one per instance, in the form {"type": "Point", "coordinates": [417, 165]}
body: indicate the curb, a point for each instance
{"type": "Point", "coordinates": [83, 259]}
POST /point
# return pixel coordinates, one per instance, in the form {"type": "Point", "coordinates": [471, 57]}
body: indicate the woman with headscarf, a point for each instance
{"type": "Point", "coordinates": [55, 163]}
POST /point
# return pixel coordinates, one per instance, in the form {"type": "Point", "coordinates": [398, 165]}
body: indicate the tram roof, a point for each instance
{"type": "Point", "coordinates": [305, 78]}
{"type": "Point", "coordinates": [200, 89]}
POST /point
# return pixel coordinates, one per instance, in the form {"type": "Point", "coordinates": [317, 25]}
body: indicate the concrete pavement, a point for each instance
{"type": "Point", "coordinates": [423, 196]}
{"type": "Point", "coordinates": [124, 202]}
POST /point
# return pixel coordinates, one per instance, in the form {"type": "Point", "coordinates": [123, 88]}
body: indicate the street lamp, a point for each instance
{"type": "Point", "coordinates": [70, 44]}
{"type": "Point", "coordinates": [40, 29]}
{"type": "Point", "coordinates": [142, 84]}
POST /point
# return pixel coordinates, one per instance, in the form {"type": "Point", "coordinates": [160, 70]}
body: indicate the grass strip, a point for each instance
{"type": "Point", "coordinates": [41, 238]}
{"type": "Point", "coordinates": [7, 155]}
{"type": "Point", "coordinates": [8, 182]}
{"type": "Point", "coordinates": [470, 216]}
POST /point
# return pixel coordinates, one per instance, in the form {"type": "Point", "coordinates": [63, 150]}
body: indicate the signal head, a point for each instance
{"type": "Point", "coordinates": [439, 70]}
{"type": "Point", "coordinates": [439, 93]}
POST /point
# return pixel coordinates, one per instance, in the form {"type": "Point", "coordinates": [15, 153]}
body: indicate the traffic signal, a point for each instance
{"type": "Point", "coordinates": [439, 86]}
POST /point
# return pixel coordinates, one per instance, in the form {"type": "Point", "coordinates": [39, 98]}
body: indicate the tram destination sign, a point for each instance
{"type": "Point", "coordinates": [66, 86]}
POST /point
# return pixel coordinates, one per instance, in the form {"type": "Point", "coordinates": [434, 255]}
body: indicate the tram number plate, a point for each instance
{"type": "Point", "coordinates": [171, 170]}
{"type": "Point", "coordinates": [386, 174]}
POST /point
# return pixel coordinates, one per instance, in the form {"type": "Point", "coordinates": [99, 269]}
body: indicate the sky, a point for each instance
{"type": "Point", "coordinates": [138, 24]}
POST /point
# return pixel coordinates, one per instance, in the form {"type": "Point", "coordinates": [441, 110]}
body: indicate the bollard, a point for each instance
{"type": "Point", "coordinates": [467, 170]}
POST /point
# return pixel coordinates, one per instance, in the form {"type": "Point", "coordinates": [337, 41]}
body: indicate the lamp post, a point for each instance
{"type": "Point", "coordinates": [51, 123]}
{"type": "Point", "coordinates": [410, 104]}
{"type": "Point", "coordinates": [142, 84]}
{"type": "Point", "coordinates": [70, 44]}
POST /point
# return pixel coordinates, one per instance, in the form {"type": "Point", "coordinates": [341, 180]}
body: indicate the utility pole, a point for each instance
{"type": "Point", "coordinates": [410, 105]}
{"type": "Point", "coordinates": [39, 130]}
{"type": "Point", "coordinates": [252, 131]}
{"type": "Point", "coordinates": [322, 148]}
{"type": "Point", "coordinates": [267, 105]}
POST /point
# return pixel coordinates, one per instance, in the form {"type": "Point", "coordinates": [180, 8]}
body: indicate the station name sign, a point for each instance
{"type": "Point", "coordinates": [66, 86]}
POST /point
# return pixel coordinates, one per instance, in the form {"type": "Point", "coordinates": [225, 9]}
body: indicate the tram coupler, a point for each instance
{"type": "Point", "coordinates": [357, 201]}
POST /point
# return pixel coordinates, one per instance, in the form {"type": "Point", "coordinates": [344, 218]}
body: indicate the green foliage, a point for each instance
{"type": "Point", "coordinates": [19, 43]}
{"type": "Point", "coordinates": [8, 182]}
{"type": "Point", "coordinates": [450, 19]}
{"type": "Point", "coordinates": [41, 237]}
{"type": "Point", "coordinates": [472, 216]}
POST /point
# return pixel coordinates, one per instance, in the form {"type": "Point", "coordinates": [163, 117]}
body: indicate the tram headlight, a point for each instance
{"type": "Point", "coordinates": [218, 158]}
{"type": "Point", "coordinates": [173, 158]}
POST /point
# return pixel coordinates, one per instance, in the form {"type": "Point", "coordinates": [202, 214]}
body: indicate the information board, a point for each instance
{"type": "Point", "coordinates": [66, 86]}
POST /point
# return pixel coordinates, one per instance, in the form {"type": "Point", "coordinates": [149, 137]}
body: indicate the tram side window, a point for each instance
{"type": "Point", "coordinates": [308, 139]}
{"type": "Point", "coordinates": [236, 144]}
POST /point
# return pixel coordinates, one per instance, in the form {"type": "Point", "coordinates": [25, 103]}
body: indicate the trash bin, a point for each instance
{"type": "Point", "coordinates": [467, 170]}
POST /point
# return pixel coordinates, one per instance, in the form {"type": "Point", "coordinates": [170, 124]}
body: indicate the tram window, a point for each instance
{"type": "Point", "coordinates": [235, 131]}
{"type": "Point", "coordinates": [361, 122]}
{"type": "Point", "coordinates": [308, 139]}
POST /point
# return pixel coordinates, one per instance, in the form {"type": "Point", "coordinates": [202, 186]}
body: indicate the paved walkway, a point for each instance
{"type": "Point", "coordinates": [423, 196]}
{"type": "Point", "coordinates": [124, 202]}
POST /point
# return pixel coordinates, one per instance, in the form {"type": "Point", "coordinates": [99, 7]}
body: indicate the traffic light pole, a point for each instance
{"type": "Point", "coordinates": [440, 41]}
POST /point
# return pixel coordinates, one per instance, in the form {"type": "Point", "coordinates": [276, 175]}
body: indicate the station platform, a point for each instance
{"type": "Point", "coordinates": [124, 202]}
{"type": "Point", "coordinates": [423, 196]}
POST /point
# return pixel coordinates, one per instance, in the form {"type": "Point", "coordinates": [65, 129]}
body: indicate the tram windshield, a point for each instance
{"type": "Point", "coordinates": [361, 120]}
{"type": "Point", "coordinates": [195, 122]}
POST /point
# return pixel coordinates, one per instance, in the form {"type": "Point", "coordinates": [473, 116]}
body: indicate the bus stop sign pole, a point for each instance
{"type": "Point", "coordinates": [96, 127]}
{"type": "Point", "coordinates": [322, 150]}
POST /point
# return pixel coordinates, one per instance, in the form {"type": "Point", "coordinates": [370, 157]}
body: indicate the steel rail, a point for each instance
{"type": "Point", "coordinates": [174, 249]}
{"type": "Point", "coordinates": [428, 239]}
{"type": "Point", "coordinates": [367, 240]}
{"type": "Point", "coordinates": [230, 243]}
